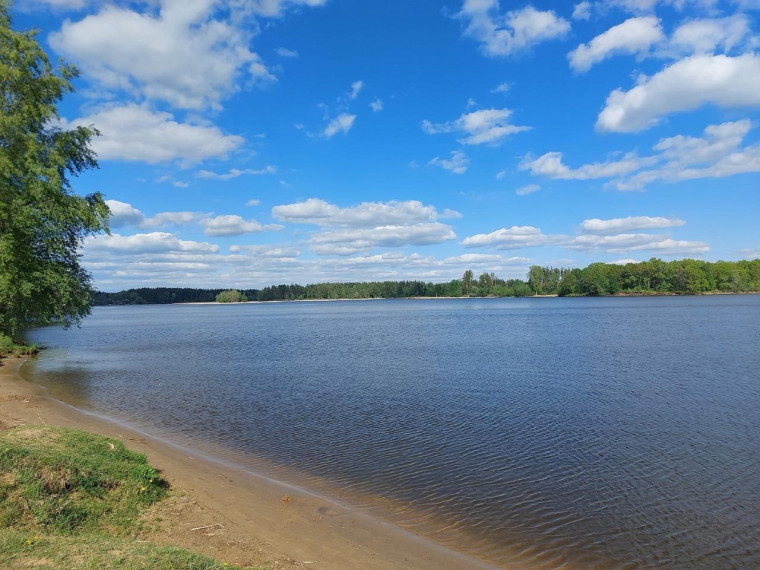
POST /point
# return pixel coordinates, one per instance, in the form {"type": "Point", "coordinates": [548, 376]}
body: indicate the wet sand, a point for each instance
{"type": "Point", "coordinates": [234, 515]}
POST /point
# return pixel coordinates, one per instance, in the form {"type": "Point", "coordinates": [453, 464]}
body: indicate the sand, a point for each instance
{"type": "Point", "coordinates": [234, 515]}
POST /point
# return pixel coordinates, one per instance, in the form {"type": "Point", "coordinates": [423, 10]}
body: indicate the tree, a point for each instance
{"type": "Point", "coordinates": [467, 279]}
{"type": "Point", "coordinates": [232, 296]}
{"type": "Point", "coordinates": [42, 222]}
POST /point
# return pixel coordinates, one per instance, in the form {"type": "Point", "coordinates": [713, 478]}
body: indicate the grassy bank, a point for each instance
{"type": "Point", "coordinates": [72, 499]}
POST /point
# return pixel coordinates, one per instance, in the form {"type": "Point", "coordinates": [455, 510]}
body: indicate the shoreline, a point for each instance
{"type": "Point", "coordinates": [257, 519]}
{"type": "Point", "coordinates": [418, 298]}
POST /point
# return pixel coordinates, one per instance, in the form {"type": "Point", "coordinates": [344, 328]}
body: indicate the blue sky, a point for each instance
{"type": "Point", "coordinates": [248, 143]}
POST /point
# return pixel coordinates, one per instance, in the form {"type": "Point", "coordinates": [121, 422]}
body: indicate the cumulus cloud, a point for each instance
{"type": "Point", "coordinates": [708, 35]}
{"type": "Point", "coordinates": [154, 242]}
{"type": "Point", "coordinates": [349, 241]}
{"type": "Point", "coordinates": [364, 215]}
{"type": "Point", "coordinates": [635, 36]}
{"type": "Point", "coordinates": [489, 126]}
{"type": "Point", "coordinates": [502, 35]}
{"type": "Point", "coordinates": [376, 105]}
{"type": "Point", "coordinates": [730, 82]}
{"type": "Point", "coordinates": [518, 237]}
{"type": "Point", "coordinates": [235, 173]}
{"type": "Point", "coordinates": [124, 214]}
{"type": "Point", "coordinates": [582, 11]}
{"type": "Point", "coordinates": [551, 166]}
{"type": "Point", "coordinates": [457, 164]}
{"type": "Point", "coordinates": [624, 243]}
{"type": "Point", "coordinates": [340, 124]}
{"type": "Point", "coordinates": [511, 238]}
{"type": "Point", "coordinates": [631, 223]}
{"type": "Point", "coordinates": [233, 225]}
{"type": "Point", "coordinates": [180, 54]}
{"type": "Point", "coordinates": [136, 133]}
{"type": "Point", "coordinates": [717, 154]}
{"type": "Point", "coordinates": [276, 8]}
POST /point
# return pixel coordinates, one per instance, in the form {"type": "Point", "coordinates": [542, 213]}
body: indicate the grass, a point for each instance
{"type": "Point", "coordinates": [10, 348]}
{"type": "Point", "coordinates": [92, 552]}
{"type": "Point", "coordinates": [73, 499]}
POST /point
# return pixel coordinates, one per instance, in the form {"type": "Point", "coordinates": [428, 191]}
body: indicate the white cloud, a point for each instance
{"type": "Point", "coordinates": [621, 225]}
{"type": "Point", "coordinates": [686, 85]}
{"type": "Point", "coordinates": [135, 133]}
{"type": "Point", "coordinates": [181, 55]}
{"type": "Point", "coordinates": [634, 36]}
{"type": "Point", "coordinates": [285, 52]}
{"type": "Point", "coordinates": [54, 4]}
{"type": "Point", "coordinates": [253, 202]}
{"type": "Point", "coordinates": [551, 166]}
{"type": "Point", "coordinates": [506, 34]}
{"type": "Point", "coordinates": [624, 243]}
{"type": "Point", "coordinates": [356, 88]}
{"type": "Point", "coordinates": [340, 124]}
{"type": "Point", "coordinates": [276, 8]}
{"type": "Point", "coordinates": [457, 164]}
{"type": "Point", "coordinates": [484, 126]}
{"type": "Point", "coordinates": [234, 173]}
{"type": "Point", "coordinates": [154, 242]}
{"type": "Point", "coordinates": [376, 105]}
{"type": "Point", "coordinates": [364, 215]}
{"type": "Point", "coordinates": [512, 238]}
{"type": "Point", "coordinates": [124, 214]}
{"type": "Point", "coordinates": [708, 35]}
{"type": "Point", "coordinates": [582, 11]}
{"type": "Point", "coordinates": [528, 236]}
{"type": "Point", "coordinates": [233, 225]}
{"type": "Point", "coordinates": [529, 189]}
{"type": "Point", "coordinates": [718, 154]}
{"type": "Point", "coordinates": [448, 214]}
{"type": "Point", "coordinates": [346, 242]}
{"type": "Point", "coordinates": [501, 88]}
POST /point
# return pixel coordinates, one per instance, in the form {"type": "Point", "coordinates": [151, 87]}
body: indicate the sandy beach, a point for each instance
{"type": "Point", "coordinates": [234, 515]}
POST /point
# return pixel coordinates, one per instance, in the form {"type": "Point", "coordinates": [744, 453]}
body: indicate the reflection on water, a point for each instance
{"type": "Point", "coordinates": [588, 432]}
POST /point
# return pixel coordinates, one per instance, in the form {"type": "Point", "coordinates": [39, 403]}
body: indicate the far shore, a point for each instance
{"type": "Point", "coordinates": [236, 516]}
{"type": "Point", "coordinates": [422, 298]}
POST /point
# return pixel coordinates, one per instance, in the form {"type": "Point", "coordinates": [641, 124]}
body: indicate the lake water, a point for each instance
{"type": "Point", "coordinates": [608, 433]}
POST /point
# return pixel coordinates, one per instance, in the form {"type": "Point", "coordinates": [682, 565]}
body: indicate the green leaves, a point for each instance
{"type": "Point", "coordinates": [42, 221]}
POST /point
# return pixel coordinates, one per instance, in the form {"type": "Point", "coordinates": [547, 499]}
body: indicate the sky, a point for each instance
{"type": "Point", "coordinates": [247, 143]}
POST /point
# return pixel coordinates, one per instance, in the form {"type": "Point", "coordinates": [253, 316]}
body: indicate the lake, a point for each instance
{"type": "Point", "coordinates": [591, 432]}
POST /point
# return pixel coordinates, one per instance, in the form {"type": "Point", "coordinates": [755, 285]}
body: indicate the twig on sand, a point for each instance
{"type": "Point", "coordinates": [206, 527]}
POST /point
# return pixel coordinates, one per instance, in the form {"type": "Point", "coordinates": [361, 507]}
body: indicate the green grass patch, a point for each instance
{"type": "Point", "coordinates": [73, 499]}
{"type": "Point", "coordinates": [10, 348]}
{"type": "Point", "coordinates": [65, 480]}
{"type": "Point", "coordinates": [92, 552]}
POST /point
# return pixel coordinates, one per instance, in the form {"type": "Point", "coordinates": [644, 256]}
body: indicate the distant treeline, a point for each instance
{"type": "Point", "coordinates": [683, 277]}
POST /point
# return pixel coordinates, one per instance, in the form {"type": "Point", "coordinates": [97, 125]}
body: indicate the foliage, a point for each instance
{"type": "Point", "coordinates": [42, 222]}
{"type": "Point", "coordinates": [685, 276]}
{"type": "Point", "coordinates": [10, 348]}
{"type": "Point", "coordinates": [231, 296]}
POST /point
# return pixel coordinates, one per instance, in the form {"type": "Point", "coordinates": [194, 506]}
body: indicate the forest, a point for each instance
{"type": "Point", "coordinates": [653, 277]}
